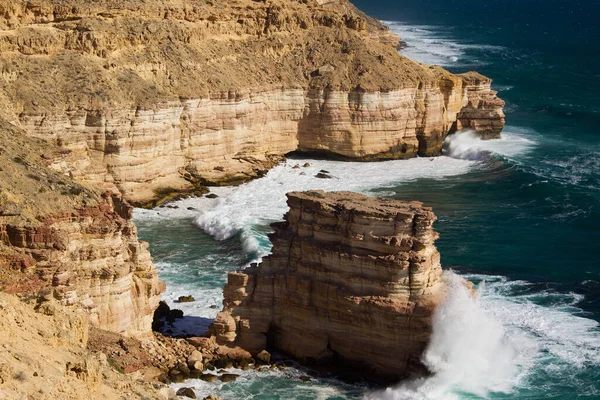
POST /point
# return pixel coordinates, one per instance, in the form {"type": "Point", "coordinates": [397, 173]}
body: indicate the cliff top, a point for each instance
{"type": "Point", "coordinates": [28, 188]}
{"type": "Point", "coordinates": [356, 202]}
{"type": "Point", "coordinates": [76, 54]}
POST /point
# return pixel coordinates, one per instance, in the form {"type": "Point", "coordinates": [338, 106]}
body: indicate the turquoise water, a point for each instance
{"type": "Point", "coordinates": [520, 216]}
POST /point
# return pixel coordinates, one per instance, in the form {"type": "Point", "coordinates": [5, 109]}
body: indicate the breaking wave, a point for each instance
{"type": "Point", "coordinates": [501, 341]}
{"type": "Point", "coordinates": [466, 145]}
{"type": "Point", "coordinates": [435, 46]}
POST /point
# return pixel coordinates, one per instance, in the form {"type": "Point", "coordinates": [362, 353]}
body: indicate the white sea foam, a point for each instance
{"type": "Point", "coordinates": [502, 88]}
{"type": "Point", "coordinates": [570, 339]}
{"type": "Point", "coordinates": [200, 313]}
{"type": "Point", "coordinates": [467, 145]}
{"type": "Point", "coordinates": [259, 202]}
{"type": "Point", "coordinates": [279, 384]}
{"type": "Point", "coordinates": [469, 351]}
{"type": "Point", "coordinates": [494, 343]}
{"type": "Point", "coordinates": [246, 209]}
{"type": "Point", "coordinates": [498, 341]}
{"type": "Point", "coordinates": [435, 46]}
{"type": "Point", "coordinates": [243, 210]}
{"type": "Point", "coordinates": [581, 170]}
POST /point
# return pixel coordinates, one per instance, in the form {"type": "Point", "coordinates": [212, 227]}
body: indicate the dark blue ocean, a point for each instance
{"type": "Point", "coordinates": [519, 216]}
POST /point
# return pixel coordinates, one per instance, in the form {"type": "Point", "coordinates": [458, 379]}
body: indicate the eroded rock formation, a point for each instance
{"type": "Point", "coordinates": [63, 240]}
{"type": "Point", "coordinates": [44, 357]}
{"type": "Point", "coordinates": [159, 96]}
{"type": "Point", "coordinates": [352, 279]}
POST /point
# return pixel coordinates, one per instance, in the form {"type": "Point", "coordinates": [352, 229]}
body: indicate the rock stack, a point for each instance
{"type": "Point", "coordinates": [352, 280]}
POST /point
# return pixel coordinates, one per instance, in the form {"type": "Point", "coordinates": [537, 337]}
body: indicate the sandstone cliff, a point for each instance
{"type": "Point", "coordinates": [44, 357]}
{"type": "Point", "coordinates": [150, 97]}
{"type": "Point", "coordinates": [351, 280]}
{"type": "Point", "coordinates": [62, 239]}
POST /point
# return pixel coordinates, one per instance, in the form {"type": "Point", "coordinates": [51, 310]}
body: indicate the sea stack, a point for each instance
{"type": "Point", "coordinates": [352, 280]}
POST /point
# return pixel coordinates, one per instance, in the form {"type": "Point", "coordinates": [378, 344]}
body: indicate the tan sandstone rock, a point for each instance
{"type": "Point", "coordinates": [352, 279]}
{"type": "Point", "coordinates": [44, 357]}
{"type": "Point", "coordinates": [159, 96]}
{"type": "Point", "coordinates": [69, 244]}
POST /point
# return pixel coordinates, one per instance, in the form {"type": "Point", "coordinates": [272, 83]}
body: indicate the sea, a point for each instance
{"type": "Point", "coordinates": [518, 216]}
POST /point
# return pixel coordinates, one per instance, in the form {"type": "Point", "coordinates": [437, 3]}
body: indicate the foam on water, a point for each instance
{"type": "Point", "coordinates": [274, 384]}
{"type": "Point", "coordinates": [557, 329]}
{"type": "Point", "coordinates": [496, 342]}
{"type": "Point", "coordinates": [245, 210]}
{"type": "Point", "coordinates": [579, 170]}
{"type": "Point", "coordinates": [467, 145]}
{"type": "Point", "coordinates": [199, 314]}
{"type": "Point", "coordinates": [469, 351]}
{"type": "Point", "coordinates": [435, 46]}
{"type": "Point", "coordinates": [501, 341]}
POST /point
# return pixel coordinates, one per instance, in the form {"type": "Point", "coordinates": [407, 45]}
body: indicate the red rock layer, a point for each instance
{"type": "Point", "coordinates": [89, 257]}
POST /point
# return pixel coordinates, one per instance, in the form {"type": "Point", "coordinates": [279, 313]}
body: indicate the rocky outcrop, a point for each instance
{"type": "Point", "coordinates": [61, 240]}
{"type": "Point", "coordinates": [483, 111]}
{"type": "Point", "coordinates": [155, 97]}
{"type": "Point", "coordinates": [44, 357]}
{"type": "Point", "coordinates": [351, 280]}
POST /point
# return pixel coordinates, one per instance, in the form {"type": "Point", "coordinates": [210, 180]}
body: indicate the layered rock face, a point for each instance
{"type": "Point", "coordinates": [62, 240]}
{"type": "Point", "coordinates": [483, 111]}
{"type": "Point", "coordinates": [352, 280]}
{"type": "Point", "coordinates": [158, 96]}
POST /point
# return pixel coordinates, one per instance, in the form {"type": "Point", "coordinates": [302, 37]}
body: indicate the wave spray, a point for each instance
{"type": "Point", "coordinates": [469, 351]}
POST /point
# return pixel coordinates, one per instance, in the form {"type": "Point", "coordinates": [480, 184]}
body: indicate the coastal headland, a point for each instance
{"type": "Point", "coordinates": [109, 104]}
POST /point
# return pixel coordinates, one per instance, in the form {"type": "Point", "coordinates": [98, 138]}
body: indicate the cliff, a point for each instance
{"type": "Point", "coordinates": [352, 280]}
{"type": "Point", "coordinates": [63, 240]}
{"type": "Point", "coordinates": [44, 357]}
{"type": "Point", "coordinates": [152, 97]}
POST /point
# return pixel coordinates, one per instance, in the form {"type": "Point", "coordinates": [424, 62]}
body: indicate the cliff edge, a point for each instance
{"type": "Point", "coordinates": [352, 280]}
{"type": "Point", "coordinates": [153, 97]}
{"type": "Point", "coordinates": [60, 239]}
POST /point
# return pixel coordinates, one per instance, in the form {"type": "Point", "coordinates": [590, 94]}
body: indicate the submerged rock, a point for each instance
{"type": "Point", "coordinates": [186, 392]}
{"type": "Point", "coordinates": [228, 377]}
{"type": "Point", "coordinates": [323, 175]}
{"type": "Point", "coordinates": [186, 299]}
{"type": "Point", "coordinates": [209, 377]}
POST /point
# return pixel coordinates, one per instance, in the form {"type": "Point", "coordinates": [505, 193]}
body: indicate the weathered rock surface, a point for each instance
{"type": "Point", "coordinates": [69, 243]}
{"type": "Point", "coordinates": [43, 356]}
{"type": "Point", "coordinates": [154, 97]}
{"type": "Point", "coordinates": [351, 280]}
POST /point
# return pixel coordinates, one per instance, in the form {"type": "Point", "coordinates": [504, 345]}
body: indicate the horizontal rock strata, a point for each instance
{"type": "Point", "coordinates": [157, 96]}
{"type": "Point", "coordinates": [351, 280]}
{"type": "Point", "coordinates": [62, 240]}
